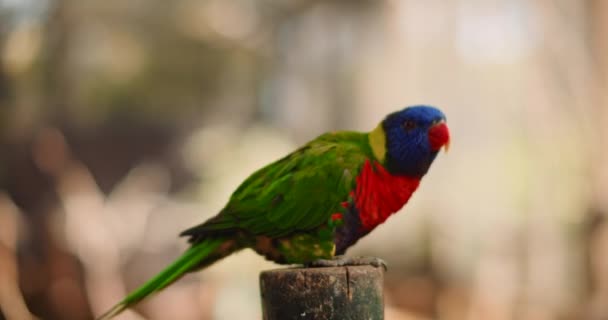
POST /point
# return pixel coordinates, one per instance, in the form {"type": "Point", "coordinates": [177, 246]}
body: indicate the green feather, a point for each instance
{"type": "Point", "coordinates": [297, 193]}
{"type": "Point", "coordinates": [187, 262]}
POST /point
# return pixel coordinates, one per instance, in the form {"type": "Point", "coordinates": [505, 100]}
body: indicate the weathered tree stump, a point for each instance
{"type": "Point", "coordinates": [340, 293]}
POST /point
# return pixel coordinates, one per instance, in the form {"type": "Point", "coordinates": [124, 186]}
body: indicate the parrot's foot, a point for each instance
{"type": "Point", "coordinates": [342, 261]}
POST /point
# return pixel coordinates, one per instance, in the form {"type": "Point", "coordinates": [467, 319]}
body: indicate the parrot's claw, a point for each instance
{"type": "Point", "coordinates": [342, 261]}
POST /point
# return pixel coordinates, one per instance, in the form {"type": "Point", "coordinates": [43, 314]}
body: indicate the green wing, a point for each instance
{"type": "Point", "coordinates": [296, 193]}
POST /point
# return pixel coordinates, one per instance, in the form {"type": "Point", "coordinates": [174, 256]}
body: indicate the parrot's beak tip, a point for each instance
{"type": "Point", "coordinates": [439, 136]}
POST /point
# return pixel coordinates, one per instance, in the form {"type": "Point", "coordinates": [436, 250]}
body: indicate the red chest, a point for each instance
{"type": "Point", "coordinates": [379, 194]}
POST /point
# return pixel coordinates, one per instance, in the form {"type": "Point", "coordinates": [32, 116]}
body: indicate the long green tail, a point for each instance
{"type": "Point", "coordinates": [187, 262]}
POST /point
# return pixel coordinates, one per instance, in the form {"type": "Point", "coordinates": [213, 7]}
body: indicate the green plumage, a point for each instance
{"type": "Point", "coordinates": [282, 211]}
{"type": "Point", "coordinates": [296, 193]}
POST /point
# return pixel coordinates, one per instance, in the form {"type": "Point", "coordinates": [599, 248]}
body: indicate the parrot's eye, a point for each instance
{"type": "Point", "coordinates": [409, 125]}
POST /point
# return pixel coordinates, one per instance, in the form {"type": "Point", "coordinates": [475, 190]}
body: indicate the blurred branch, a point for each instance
{"type": "Point", "coordinates": [12, 303]}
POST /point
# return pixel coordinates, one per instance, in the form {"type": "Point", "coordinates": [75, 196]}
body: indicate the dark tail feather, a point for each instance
{"type": "Point", "coordinates": [189, 261]}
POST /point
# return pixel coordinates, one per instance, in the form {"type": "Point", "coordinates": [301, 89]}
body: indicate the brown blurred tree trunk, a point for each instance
{"type": "Point", "coordinates": [597, 239]}
{"type": "Point", "coordinates": [4, 82]}
{"type": "Point", "coordinates": [576, 64]}
{"type": "Point", "coordinates": [45, 264]}
{"type": "Point", "coordinates": [56, 77]}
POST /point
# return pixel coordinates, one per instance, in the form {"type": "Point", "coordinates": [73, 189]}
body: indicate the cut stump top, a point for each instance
{"type": "Point", "coordinates": [340, 293]}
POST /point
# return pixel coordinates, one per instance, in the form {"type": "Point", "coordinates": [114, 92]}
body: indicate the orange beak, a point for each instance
{"type": "Point", "coordinates": [439, 136]}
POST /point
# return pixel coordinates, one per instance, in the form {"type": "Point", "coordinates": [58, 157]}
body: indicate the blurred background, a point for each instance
{"type": "Point", "coordinates": [124, 122]}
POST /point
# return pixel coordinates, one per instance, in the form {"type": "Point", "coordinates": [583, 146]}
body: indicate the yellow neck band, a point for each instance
{"type": "Point", "coordinates": [377, 140]}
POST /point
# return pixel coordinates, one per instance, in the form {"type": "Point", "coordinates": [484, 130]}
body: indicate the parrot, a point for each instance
{"type": "Point", "coordinates": [310, 206]}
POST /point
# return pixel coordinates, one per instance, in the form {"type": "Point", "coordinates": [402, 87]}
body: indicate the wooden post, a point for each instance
{"type": "Point", "coordinates": [336, 293]}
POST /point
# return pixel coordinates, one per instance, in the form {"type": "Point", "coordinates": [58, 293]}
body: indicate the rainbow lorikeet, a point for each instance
{"type": "Point", "coordinates": [312, 205]}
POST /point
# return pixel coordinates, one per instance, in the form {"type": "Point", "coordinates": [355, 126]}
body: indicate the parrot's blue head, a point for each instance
{"type": "Point", "coordinates": [412, 137]}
